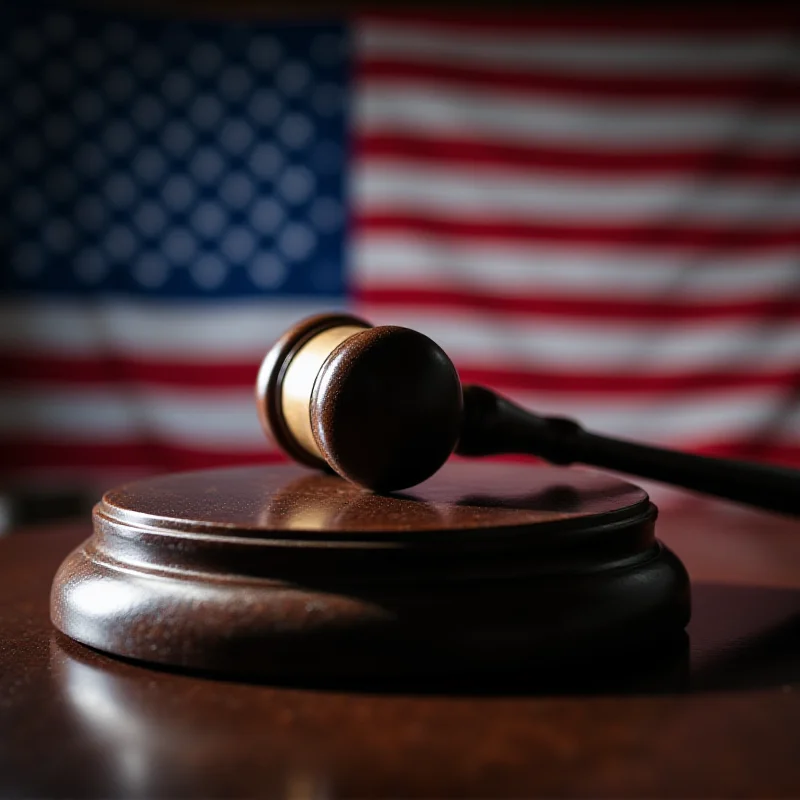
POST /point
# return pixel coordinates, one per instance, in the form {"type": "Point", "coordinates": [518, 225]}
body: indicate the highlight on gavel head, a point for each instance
{"type": "Point", "coordinates": [381, 406]}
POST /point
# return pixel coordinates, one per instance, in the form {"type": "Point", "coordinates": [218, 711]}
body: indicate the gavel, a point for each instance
{"type": "Point", "coordinates": [384, 408]}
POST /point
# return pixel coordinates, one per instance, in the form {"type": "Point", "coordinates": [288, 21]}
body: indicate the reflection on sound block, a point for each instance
{"type": "Point", "coordinates": [278, 572]}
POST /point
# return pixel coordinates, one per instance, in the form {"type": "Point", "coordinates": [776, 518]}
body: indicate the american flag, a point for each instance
{"type": "Point", "coordinates": [596, 213]}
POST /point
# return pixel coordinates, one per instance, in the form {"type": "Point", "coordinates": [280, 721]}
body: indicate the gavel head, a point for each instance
{"type": "Point", "coordinates": [382, 406]}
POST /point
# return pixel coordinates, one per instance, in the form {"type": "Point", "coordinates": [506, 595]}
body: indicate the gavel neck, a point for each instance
{"type": "Point", "coordinates": [493, 425]}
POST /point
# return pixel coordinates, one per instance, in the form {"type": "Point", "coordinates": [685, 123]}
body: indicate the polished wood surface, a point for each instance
{"type": "Point", "coordinates": [77, 723]}
{"type": "Point", "coordinates": [281, 570]}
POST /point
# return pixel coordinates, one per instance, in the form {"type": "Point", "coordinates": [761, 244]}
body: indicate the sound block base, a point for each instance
{"type": "Point", "coordinates": [281, 572]}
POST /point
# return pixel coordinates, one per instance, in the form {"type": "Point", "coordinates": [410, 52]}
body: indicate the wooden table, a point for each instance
{"type": "Point", "coordinates": [723, 722]}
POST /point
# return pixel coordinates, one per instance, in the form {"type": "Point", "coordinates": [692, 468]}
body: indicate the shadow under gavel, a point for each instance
{"type": "Point", "coordinates": [384, 407]}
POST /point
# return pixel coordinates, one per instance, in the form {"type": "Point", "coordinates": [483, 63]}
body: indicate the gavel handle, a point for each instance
{"type": "Point", "coordinates": [495, 425]}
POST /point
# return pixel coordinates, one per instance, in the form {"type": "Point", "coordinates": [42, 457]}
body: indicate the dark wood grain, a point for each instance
{"type": "Point", "coordinates": [386, 409]}
{"type": "Point", "coordinates": [79, 724]}
{"type": "Point", "coordinates": [384, 404]}
{"type": "Point", "coordinates": [282, 571]}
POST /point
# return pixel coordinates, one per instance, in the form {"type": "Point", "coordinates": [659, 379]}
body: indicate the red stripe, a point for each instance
{"type": "Point", "coordinates": [32, 454]}
{"type": "Point", "coordinates": [154, 456]}
{"type": "Point", "coordinates": [50, 372]}
{"type": "Point", "coordinates": [753, 450]}
{"type": "Point", "coordinates": [655, 235]}
{"type": "Point", "coordinates": [584, 307]}
{"type": "Point", "coordinates": [471, 153]}
{"type": "Point", "coordinates": [551, 381]}
{"type": "Point", "coordinates": [765, 89]}
{"type": "Point", "coordinates": [41, 369]}
{"type": "Point", "coordinates": [774, 17]}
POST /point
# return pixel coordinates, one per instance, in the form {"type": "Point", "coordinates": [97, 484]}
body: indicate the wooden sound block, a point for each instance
{"type": "Point", "coordinates": [281, 571]}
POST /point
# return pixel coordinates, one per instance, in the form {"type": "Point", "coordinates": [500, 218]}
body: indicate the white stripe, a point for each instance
{"type": "Point", "coordinates": [225, 420]}
{"type": "Point", "coordinates": [384, 259]}
{"type": "Point", "coordinates": [503, 340]}
{"type": "Point", "coordinates": [193, 333]}
{"type": "Point", "coordinates": [506, 196]}
{"type": "Point", "coordinates": [230, 422]}
{"type": "Point", "coordinates": [196, 332]}
{"type": "Point", "coordinates": [665, 55]}
{"type": "Point", "coordinates": [700, 417]}
{"type": "Point", "coordinates": [427, 110]}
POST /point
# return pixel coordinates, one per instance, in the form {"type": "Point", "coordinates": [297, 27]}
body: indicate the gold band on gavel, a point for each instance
{"type": "Point", "coordinates": [298, 382]}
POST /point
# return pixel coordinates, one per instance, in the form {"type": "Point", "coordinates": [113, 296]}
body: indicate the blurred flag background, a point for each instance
{"type": "Point", "coordinates": [597, 213]}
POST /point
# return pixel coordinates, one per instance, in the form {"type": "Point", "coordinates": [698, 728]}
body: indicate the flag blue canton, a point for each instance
{"type": "Point", "coordinates": [178, 160]}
